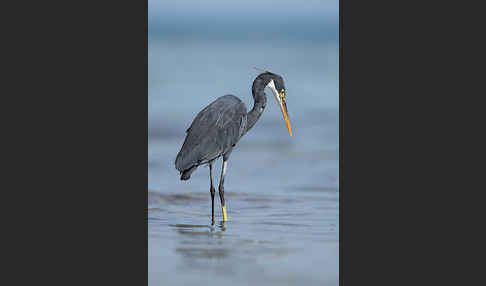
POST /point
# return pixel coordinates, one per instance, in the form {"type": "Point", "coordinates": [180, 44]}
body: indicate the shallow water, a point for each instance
{"type": "Point", "coordinates": [282, 226]}
{"type": "Point", "coordinates": [281, 192]}
{"type": "Point", "coordinates": [267, 240]}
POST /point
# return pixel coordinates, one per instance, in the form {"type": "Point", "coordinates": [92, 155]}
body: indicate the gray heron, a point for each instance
{"type": "Point", "coordinates": [219, 126]}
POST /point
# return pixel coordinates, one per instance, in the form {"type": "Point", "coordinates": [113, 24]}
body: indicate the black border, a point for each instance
{"type": "Point", "coordinates": [75, 173]}
{"type": "Point", "coordinates": [401, 131]}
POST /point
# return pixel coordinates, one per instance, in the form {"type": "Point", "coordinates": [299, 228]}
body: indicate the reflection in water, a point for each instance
{"type": "Point", "coordinates": [294, 237]}
{"type": "Point", "coordinates": [194, 230]}
{"type": "Point", "coordinates": [189, 225]}
{"type": "Point", "coordinates": [200, 252]}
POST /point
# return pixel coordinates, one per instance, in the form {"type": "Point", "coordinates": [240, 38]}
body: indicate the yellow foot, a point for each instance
{"type": "Point", "coordinates": [225, 217]}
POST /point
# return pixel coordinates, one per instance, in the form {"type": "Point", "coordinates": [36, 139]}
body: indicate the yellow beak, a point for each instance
{"type": "Point", "coordinates": [283, 107]}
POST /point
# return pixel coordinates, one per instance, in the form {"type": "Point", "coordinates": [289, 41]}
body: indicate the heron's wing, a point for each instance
{"type": "Point", "coordinates": [214, 131]}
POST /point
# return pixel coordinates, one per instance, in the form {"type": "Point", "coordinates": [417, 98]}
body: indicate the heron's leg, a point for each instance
{"type": "Point", "coordinates": [211, 189]}
{"type": "Point", "coordinates": [221, 188]}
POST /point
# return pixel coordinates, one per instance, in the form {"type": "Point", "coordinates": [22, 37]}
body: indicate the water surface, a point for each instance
{"type": "Point", "coordinates": [281, 192]}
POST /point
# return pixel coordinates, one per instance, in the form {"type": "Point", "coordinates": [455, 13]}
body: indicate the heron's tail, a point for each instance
{"type": "Point", "coordinates": [186, 174]}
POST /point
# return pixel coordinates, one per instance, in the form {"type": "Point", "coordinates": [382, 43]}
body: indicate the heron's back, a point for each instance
{"type": "Point", "coordinates": [214, 132]}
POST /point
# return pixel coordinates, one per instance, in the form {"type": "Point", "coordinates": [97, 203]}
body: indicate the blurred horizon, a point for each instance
{"type": "Point", "coordinates": [243, 21]}
{"type": "Point", "coordinates": [244, 8]}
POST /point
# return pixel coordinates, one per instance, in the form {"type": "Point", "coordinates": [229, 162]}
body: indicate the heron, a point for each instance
{"type": "Point", "coordinates": [217, 128]}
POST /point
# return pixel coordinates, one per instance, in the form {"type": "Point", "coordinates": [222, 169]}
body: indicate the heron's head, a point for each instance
{"type": "Point", "coordinates": [276, 84]}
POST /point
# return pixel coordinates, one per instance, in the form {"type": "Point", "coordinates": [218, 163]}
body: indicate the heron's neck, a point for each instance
{"type": "Point", "coordinates": [260, 101]}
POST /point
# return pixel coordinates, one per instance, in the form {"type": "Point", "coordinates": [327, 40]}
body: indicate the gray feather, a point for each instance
{"type": "Point", "coordinates": [214, 132]}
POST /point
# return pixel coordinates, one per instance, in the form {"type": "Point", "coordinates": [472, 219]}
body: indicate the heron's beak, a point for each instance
{"type": "Point", "coordinates": [283, 107]}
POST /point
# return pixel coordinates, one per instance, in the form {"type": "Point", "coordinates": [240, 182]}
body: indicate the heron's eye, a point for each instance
{"type": "Point", "coordinates": [282, 94]}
